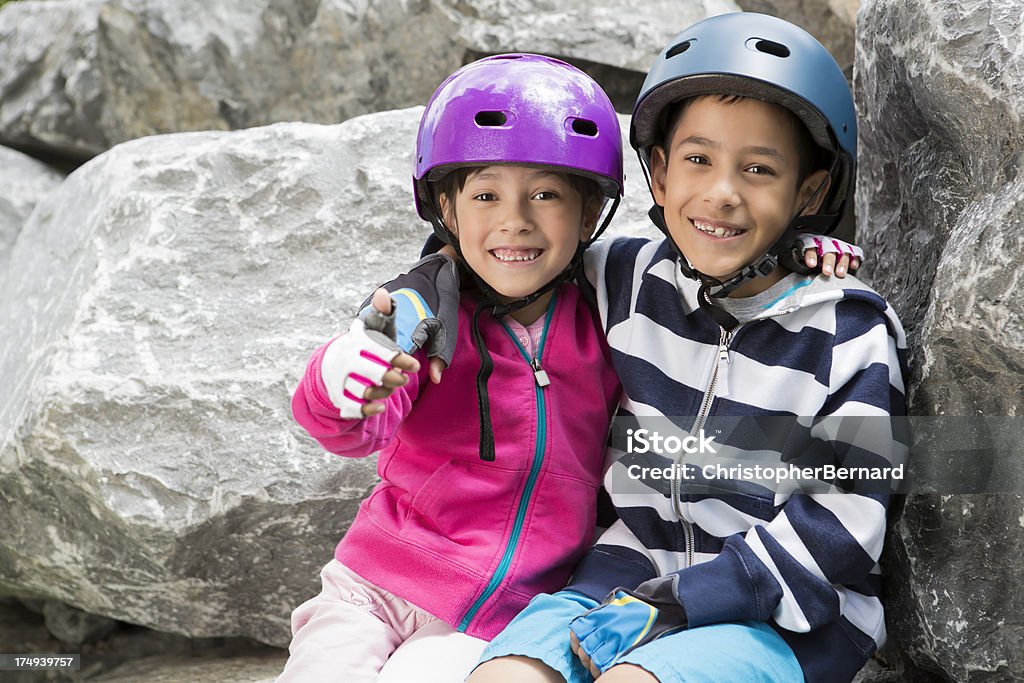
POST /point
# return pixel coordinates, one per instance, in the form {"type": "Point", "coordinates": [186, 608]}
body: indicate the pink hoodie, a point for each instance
{"type": "Point", "coordinates": [467, 540]}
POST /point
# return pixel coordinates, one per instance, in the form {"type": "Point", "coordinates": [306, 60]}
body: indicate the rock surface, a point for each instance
{"type": "Point", "coordinates": [170, 294]}
{"type": "Point", "coordinates": [24, 181]}
{"type": "Point", "coordinates": [80, 77]}
{"type": "Point", "coordinates": [941, 212]}
{"type": "Point", "coordinates": [262, 667]}
{"type": "Point", "coordinates": [133, 653]}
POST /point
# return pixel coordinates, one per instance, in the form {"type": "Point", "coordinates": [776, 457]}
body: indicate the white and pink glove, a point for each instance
{"type": "Point", "coordinates": [830, 245]}
{"type": "Point", "coordinates": [358, 360]}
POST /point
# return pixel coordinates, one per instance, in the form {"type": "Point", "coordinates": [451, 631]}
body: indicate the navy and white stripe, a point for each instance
{"type": "Point", "coordinates": [806, 562]}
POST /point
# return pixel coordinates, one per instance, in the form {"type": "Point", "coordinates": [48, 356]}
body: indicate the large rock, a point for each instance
{"type": "Point", "coordinates": [134, 654]}
{"type": "Point", "coordinates": [941, 213]}
{"type": "Point", "coordinates": [166, 300]}
{"type": "Point", "coordinates": [82, 75]}
{"type": "Point", "coordinates": [23, 182]}
{"type": "Point", "coordinates": [255, 667]}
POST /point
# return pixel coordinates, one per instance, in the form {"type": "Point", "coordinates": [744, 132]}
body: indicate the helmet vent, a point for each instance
{"type": "Point", "coordinates": [490, 118]}
{"type": "Point", "coordinates": [768, 47]}
{"type": "Point", "coordinates": [678, 49]}
{"type": "Point", "coordinates": [584, 127]}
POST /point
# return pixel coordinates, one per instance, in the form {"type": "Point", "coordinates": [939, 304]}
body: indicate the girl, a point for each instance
{"type": "Point", "coordinates": [486, 498]}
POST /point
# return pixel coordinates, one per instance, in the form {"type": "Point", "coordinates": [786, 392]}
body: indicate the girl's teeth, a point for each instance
{"type": "Point", "coordinates": [517, 256]}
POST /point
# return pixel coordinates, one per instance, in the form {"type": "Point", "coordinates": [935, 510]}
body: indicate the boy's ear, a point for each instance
{"type": "Point", "coordinates": [808, 187]}
{"type": "Point", "coordinates": [659, 169]}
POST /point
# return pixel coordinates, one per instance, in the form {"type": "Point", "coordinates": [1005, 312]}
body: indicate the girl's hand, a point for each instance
{"type": "Point", "coordinates": [828, 249]}
{"type": "Point", "coordinates": [363, 367]}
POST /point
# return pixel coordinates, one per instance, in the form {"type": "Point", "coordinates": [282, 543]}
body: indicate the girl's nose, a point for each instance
{"type": "Point", "coordinates": [517, 217]}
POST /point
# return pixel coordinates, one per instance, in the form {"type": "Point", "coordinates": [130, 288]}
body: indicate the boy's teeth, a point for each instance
{"type": "Point", "coordinates": [516, 254]}
{"type": "Point", "coordinates": [717, 231]}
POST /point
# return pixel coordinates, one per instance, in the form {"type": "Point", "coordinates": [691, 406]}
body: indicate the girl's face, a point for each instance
{"type": "Point", "coordinates": [518, 228]}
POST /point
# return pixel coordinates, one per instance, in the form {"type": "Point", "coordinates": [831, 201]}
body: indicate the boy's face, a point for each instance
{"type": "Point", "coordinates": [729, 187]}
{"type": "Point", "coordinates": [518, 226]}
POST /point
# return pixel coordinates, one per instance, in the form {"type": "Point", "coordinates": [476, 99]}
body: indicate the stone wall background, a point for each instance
{"type": "Point", "coordinates": [940, 94]}
{"type": "Point", "coordinates": [242, 178]}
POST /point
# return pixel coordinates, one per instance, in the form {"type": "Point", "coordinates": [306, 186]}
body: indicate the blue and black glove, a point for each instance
{"type": "Point", "coordinates": [426, 314]}
{"type": "Point", "coordinates": [626, 620]}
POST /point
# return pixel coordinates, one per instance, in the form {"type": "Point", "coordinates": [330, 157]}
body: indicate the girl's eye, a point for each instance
{"type": "Point", "coordinates": [546, 194]}
{"type": "Point", "coordinates": [758, 169]}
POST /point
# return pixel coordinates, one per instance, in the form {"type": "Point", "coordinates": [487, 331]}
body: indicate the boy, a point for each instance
{"type": "Point", "coordinates": [747, 128]}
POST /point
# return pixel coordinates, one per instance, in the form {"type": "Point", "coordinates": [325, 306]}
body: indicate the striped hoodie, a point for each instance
{"type": "Point", "coordinates": [806, 562]}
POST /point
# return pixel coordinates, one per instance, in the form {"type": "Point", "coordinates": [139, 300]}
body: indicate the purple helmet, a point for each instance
{"type": "Point", "coordinates": [517, 109]}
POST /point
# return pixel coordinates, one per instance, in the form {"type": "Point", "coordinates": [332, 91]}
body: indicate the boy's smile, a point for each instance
{"type": "Point", "coordinates": [518, 227]}
{"type": "Point", "coordinates": [731, 184]}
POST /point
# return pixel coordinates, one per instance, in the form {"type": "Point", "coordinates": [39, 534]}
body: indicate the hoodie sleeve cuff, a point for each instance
{"type": "Point", "coordinates": [730, 587]}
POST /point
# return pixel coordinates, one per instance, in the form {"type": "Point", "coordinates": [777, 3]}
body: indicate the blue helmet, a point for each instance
{"type": "Point", "coordinates": [761, 57]}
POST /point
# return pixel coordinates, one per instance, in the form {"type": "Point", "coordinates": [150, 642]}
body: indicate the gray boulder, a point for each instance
{"type": "Point", "coordinates": [171, 292]}
{"type": "Point", "coordinates": [941, 212]}
{"type": "Point", "coordinates": [254, 667]}
{"type": "Point", "coordinates": [81, 76]}
{"type": "Point", "coordinates": [23, 182]}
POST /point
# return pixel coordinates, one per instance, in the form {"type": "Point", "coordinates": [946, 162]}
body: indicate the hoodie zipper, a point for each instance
{"type": "Point", "coordinates": [719, 378]}
{"type": "Point", "coordinates": [541, 380]}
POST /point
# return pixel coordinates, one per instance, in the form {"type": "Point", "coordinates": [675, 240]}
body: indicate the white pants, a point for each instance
{"type": "Point", "coordinates": [354, 631]}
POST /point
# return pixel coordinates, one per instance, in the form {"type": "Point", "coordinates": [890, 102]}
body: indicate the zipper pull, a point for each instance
{"type": "Point", "coordinates": [539, 374]}
{"type": "Point", "coordinates": [723, 364]}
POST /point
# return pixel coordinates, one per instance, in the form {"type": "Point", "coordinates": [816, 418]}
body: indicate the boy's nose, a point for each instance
{"type": "Point", "coordinates": [723, 191]}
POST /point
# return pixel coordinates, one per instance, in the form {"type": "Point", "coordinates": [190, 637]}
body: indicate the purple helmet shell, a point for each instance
{"type": "Point", "coordinates": [518, 109]}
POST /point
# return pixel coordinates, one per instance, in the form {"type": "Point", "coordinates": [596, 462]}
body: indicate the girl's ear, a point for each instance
{"type": "Point", "coordinates": [808, 187]}
{"type": "Point", "coordinates": [591, 214]}
{"type": "Point", "coordinates": [447, 213]}
{"type": "Point", "coordinates": [659, 169]}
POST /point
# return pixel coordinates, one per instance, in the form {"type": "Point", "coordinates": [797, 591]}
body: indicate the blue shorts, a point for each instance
{"type": "Point", "coordinates": [735, 652]}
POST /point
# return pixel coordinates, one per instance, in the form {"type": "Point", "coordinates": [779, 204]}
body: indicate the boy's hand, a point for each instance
{"type": "Point", "coordinates": [363, 367]}
{"type": "Point", "coordinates": [427, 314]}
{"type": "Point", "coordinates": [828, 249]}
{"type": "Point", "coordinates": [625, 621]}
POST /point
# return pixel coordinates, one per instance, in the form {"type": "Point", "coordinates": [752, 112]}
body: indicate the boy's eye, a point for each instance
{"type": "Point", "coordinates": [697, 159]}
{"type": "Point", "coordinates": [485, 196]}
{"type": "Point", "coordinates": [758, 169]}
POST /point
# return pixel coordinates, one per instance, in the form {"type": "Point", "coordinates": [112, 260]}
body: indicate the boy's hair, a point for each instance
{"type": "Point", "coordinates": [811, 156]}
{"type": "Point", "coordinates": [450, 185]}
